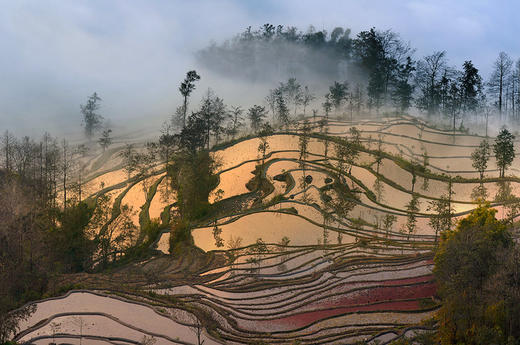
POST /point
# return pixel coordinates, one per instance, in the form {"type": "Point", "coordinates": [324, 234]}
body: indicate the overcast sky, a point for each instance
{"type": "Point", "coordinates": [135, 53]}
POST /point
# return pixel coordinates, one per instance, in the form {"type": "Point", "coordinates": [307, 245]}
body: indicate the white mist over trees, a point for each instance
{"type": "Point", "coordinates": [92, 121]}
{"type": "Point", "coordinates": [377, 69]}
{"type": "Point", "coordinates": [277, 52]}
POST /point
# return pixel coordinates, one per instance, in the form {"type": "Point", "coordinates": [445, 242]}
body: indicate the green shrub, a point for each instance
{"type": "Point", "coordinates": [180, 238]}
{"type": "Point", "coordinates": [152, 230]}
{"type": "Point", "coordinates": [426, 303]}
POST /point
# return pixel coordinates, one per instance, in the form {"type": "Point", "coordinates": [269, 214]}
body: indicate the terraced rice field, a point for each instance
{"type": "Point", "coordinates": [315, 262]}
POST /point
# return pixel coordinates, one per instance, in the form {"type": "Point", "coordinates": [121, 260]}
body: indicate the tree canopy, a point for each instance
{"type": "Point", "coordinates": [477, 308]}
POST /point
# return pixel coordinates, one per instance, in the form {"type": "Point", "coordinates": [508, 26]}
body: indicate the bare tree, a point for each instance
{"type": "Point", "coordinates": [499, 77]}
{"type": "Point", "coordinates": [78, 321]}
{"type": "Point", "coordinates": [198, 328]}
{"type": "Point", "coordinates": [303, 144]}
{"type": "Point", "coordinates": [293, 91]}
{"type": "Point", "coordinates": [9, 321]}
{"type": "Point", "coordinates": [8, 141]}
{"type": "Point", "coordinates": [327, 106]}
{"type": "Point", "coordinates": [233, 244]}
{"type": "Point", "coordinates": [515, 98]}
{"type": "Point", "coordinates": [66, 165]}
{"type": "Point", "coordinates": [236, 121]}
{"type": "Point", "coordinates": [440, 219]}
{"type": "Point", "coordinates": [270, 99]}
{"type": "Point", "coordinates": [129, 159]}
{"type": "Point", "coordinates": [55, 327]}
{"type": "Point", "coordinates": [307, 98]}
{"type": "Point", "coordinates": [429, 73]}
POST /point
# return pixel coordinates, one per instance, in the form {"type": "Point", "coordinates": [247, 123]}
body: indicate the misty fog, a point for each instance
{"type": "Point", "coordinates": [134, 55]}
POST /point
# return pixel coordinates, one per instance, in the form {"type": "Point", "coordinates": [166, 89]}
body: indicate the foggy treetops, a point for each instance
{"type": "Point", "coordinates": [378, 64]}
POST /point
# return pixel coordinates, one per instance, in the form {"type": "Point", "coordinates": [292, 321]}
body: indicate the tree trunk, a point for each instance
{"type": "Point", "coordinates": [454, 117]}
{"type": "Point", "coordinates": [500, 90]}
{"type": "Point", "coordinates": [185, 110]}
{"type": "Point", "coordinates": [64, 182]}
{"type": "Point", "coordinates": [208, 133]}
{"type": "Point", "coordinates": [79, 186]}
{"type": "Point", "coordinates": [487, 119]}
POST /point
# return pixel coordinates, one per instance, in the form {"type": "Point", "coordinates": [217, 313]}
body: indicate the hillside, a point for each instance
{"type": "Point", "coordinates": [312, 248]}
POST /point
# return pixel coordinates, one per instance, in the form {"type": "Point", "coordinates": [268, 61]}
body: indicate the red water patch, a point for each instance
{"type": "Point", "coordinates": [412, 280]}
{"type": "Point", "coordinates": [304, 319]}
{"type": "Point", "coordinates": [383, 298]}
